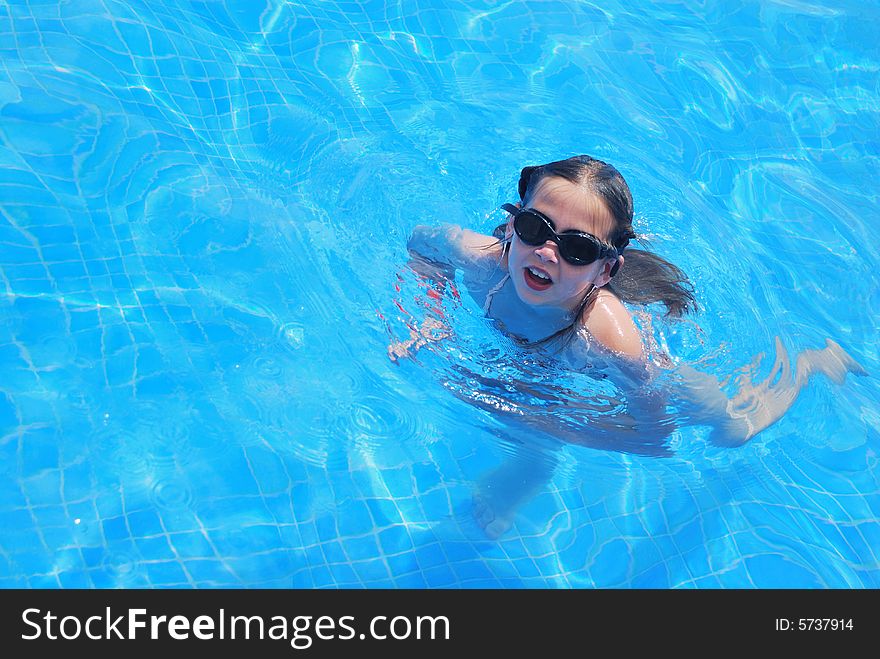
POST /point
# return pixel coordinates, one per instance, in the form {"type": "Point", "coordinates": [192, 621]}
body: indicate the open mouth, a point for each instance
{"type": "Point", "coordinates": [537, 279]}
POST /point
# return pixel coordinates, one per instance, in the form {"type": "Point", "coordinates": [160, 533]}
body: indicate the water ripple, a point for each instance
{"type": "Point", "coordinates": [381, 419]}
{"type": "Point", "coordinates": [171, 495]}
{"type": "Point", "coordinates": [118, 447]}
{"type": "Point", "coordinates": [123, 567]}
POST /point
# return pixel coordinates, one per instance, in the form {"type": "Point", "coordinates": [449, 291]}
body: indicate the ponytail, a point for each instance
{"type": "Point", "coordinates": [646, 278]}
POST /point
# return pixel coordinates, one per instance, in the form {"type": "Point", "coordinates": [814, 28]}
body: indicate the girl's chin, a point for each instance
{"type": "Point", "coordinates": [535, 298]}
{"type": "Point", "coordinates": [541, 299]}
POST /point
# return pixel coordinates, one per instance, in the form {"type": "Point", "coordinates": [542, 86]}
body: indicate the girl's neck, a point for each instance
{"type": "Point", "coordinates": [529, 321]}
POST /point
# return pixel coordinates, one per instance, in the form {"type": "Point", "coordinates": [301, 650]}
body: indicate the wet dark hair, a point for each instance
{"type": "Point", "coordinates": [644, 277]}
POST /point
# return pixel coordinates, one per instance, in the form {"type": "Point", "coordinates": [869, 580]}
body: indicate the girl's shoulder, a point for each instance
{"type": "Point", "coordinates": [480, 248]}
{"type": "Point", "coordinates": [612, 327]}
{"type": "Point", "coordinates": [455, 246]}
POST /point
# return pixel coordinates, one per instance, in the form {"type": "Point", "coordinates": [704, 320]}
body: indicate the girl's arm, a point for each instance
{"type": "Point", "coordinates": [641, 419]}
{"type": "Point", "coordinates": [436, 252]}
{"type": "Point", "coordinates": [736, 419]}
{"type": "Point", "coordinates": [754, 407]}
{"type": "Point", "coordinates": [450, 245]}
{"type": "Point", "coordinates": [700, 399]}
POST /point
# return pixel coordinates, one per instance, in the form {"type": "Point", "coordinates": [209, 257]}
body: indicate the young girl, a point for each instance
{"type": "Point", "coordinates": [555, 278]}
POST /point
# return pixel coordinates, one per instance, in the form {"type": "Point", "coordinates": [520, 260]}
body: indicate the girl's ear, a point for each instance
{"type": "Point", "coordinates": [508, 229]}
{"type": "Point", "coordinates": [615, 268]}
{"type": "Point", "coordinates": [609, 269]}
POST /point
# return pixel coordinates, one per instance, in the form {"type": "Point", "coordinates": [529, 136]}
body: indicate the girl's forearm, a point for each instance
{"type": "Point", "coordinates": [755, 407]}
{"type": "Point", "coordinates": [435, 243]}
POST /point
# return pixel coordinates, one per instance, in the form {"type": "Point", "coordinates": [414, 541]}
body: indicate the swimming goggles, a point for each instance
{"type": "Point", "coordinates": [534, 228]}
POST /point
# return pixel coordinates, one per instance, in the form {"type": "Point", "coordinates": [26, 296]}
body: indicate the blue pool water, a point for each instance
{"type": "Point", "coordinates": [204, 209]}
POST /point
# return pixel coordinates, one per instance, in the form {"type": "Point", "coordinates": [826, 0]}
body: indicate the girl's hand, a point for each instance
{"type": "Point", "coordinates": [431, 330]}
{"type": "Point", "coordinates": [434, 329]}
{"type": "Point", "coordinates": [400, 349]}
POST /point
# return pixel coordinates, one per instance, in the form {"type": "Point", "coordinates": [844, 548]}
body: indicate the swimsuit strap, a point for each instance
{"type": "Point", "coordinates": [497, 287]}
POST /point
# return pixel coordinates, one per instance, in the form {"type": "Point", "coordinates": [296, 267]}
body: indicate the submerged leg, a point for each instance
{"type": "Point", "coordinates": [501, 492]}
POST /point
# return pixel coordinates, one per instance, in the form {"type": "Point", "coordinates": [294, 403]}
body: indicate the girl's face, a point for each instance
{"type": "Point", "coordinates": [541, 277]}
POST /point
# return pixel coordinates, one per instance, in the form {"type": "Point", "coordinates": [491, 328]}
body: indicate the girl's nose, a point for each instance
{"type": "Point", "coordinates": [547, 252]}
